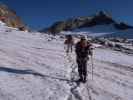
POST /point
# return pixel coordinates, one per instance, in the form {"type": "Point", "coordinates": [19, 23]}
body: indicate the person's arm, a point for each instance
{"type": "Point", "coordinates": [76, 48]}
{"type": "Point", "coordinates": [90, 49]}
{"type": "Point", "coordinates": [77, 51]}
{"type": "Point", "coordinates": [65, 42]}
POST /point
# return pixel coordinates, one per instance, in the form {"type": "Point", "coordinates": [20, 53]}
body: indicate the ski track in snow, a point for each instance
{"type": "Point", "coordinates": [35, 67]}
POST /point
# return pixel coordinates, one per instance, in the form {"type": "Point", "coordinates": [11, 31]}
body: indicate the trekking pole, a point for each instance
{"type": "Point", "coordinates": [92, 66]}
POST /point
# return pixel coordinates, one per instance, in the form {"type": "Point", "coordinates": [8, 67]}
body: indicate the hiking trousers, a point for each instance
{"type": "Point", "coordinates": [82, 68]}
{"type": "Point", "coordinates": [69, 48]}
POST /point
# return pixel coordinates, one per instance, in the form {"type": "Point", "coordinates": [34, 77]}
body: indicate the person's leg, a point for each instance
{"type": "Point", "coordinates": [67, 50]}
{"type": "Point", "coordinates": [80, 69]}
{"type": "Point", "coordinates": [71, 47]}
{"type": "Point", "coordinates": [84, 70]}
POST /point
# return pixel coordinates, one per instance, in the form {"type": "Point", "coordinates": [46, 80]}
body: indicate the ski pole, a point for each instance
{"type": "Point", "coordinates": [92, 65]}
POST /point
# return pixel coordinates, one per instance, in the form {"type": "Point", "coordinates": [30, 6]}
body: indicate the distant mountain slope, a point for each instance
{"type": "Point", "coordinates": [121, 34]}
{"type": "Point", "coordinates": [101, 18]}
{"type": "Point", "coordinates": [10, 17]}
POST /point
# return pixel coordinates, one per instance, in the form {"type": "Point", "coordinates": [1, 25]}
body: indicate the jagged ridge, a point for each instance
{"type": "Point", "coordinates": [101, 18]}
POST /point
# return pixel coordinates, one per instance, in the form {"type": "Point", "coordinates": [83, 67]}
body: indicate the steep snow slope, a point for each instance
{"type": "Point", "coordinates": [35, 67]}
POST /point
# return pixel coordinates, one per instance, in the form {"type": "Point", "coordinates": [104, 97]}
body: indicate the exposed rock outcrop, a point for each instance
{"type": "Point", "coordinates": [10, 17]}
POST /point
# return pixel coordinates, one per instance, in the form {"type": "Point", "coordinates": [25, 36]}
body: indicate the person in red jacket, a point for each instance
{"type": "Point", "coordinates": [69, 42]}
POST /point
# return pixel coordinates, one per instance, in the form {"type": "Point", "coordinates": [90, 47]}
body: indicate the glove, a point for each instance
{"type": "Point", "coordinates": [90, 52]}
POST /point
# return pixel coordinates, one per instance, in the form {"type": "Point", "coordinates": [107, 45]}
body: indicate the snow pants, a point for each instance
{"type": "Point", "coordinates": [82, 68]}
{"type": "Point", "coordinates": [69, 48]}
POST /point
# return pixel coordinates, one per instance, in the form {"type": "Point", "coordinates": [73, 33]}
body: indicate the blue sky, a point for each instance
{"type": "Point", "coordinates": [42, 13]}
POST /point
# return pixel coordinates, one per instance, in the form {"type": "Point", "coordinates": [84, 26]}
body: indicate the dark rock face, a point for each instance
{"type": "Point", "coordinates": [102, 18]}
{"type": "Point", "coordinates": [9, 17]}
{"type": "Point", "coordinates": [122, 26]}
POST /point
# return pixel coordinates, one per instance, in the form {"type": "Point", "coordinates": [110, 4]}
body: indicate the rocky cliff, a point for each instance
{"type": "Point", "coordinates": [10, 17]}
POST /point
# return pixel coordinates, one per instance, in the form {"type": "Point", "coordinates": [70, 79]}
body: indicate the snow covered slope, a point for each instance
{"type": "Point", "coordinates": [35, 67]}
{"type": "Point", "coordinates": [95, 31]}
{"type": "Point", "coordinates": [123, 34]}
{"type": "Point", "coordinates": [103, 31]}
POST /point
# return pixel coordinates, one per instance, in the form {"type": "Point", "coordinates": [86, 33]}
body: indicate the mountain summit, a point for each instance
{"type": "Point", "coordinates": [10, 17]}
{"type": "Point", "coordinates": [101, 18]}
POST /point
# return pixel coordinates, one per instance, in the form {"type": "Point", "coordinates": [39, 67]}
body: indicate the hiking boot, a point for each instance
{"type": "Point", "coordinates": [84, 81]}
{"type": "Point", "coordinates": [80, 80]}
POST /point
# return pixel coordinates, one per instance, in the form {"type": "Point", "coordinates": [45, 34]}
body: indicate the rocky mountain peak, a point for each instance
{"type": "Point", "coordinates": [100, 18]}
{"type": "Point", "coordinates": [10, 17]}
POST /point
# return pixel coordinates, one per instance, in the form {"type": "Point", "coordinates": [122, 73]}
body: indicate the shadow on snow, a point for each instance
{"type": "Point", "coordinates": [32, 72]}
